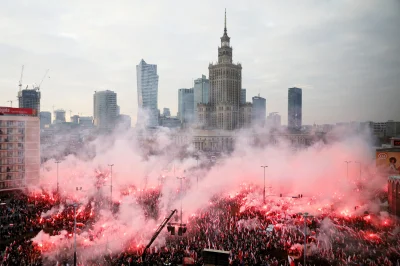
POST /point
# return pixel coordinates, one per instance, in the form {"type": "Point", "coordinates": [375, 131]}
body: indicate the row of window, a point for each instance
{"type": "Point", "coordinates": [12, 154]}
{"type": "Point", "coordinates": [11, 138]}
{"type": "Point", "coordinates": [12, 123]}
{"type": "Point", "coordinates": [9, 161]}
{"type": "Point", "coordinates": [233, 73]}
{"type": "Point", "coordinates": [11, 146]}
{"type": "Point", "coordinates": [4, 131]}
{"type": "Point", "coordinates": [12, 168]}
{"type": "Point", "coordinates": [11, 184]}
{"type": "Point", "coordinates": [11, 176]}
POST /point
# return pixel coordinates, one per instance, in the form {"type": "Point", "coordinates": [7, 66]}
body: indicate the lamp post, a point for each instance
{"type": "Point", "coordinates": [57, 162]}
{"type": "Point", "coordinates": [197, 174]}
{"type": "Point", "coordinates": [111, 166]}
{"type": "Point", "coordinates": [181, 178]}
{"type": "Point", "coordinates": [347, 163]}
{"type": "Point", "coordinates": [264, 166]}
{"type": "Point", "coordinates": [75, 205]}
{"type": "Point", "coordinates": [360, 169]}
{"type": "Point", "coordinates": [305, 216]}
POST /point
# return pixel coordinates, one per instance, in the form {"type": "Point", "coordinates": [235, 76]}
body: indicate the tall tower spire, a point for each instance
{"type": "Point", "coordinates": [225, 22]}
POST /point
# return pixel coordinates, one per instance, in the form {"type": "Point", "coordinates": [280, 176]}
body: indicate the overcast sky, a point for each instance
{"type": "Point", "coordinates": [344, 54]}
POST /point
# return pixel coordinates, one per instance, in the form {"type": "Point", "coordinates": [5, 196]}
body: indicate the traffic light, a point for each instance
{"type": "Point", "coordinates": [171, 229]}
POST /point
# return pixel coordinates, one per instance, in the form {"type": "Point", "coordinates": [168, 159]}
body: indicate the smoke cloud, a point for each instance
{"type": "Point", "coordinates": [143, 161]}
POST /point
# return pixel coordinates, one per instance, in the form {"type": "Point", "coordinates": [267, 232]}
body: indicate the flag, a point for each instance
{"type": "Point", "coordinates": [291, 261]}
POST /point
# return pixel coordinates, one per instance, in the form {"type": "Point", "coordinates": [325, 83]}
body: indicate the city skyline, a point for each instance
{"type": "Point", "coordinates": [92, 46]}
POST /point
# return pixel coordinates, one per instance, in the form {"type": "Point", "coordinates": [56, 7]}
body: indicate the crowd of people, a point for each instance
{"type": "Point", "coordinates": [19, 215]}
{"type": "Point", "coordinates": [257, 235]}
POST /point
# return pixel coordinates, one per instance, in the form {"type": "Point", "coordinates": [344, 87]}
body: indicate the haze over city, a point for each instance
{"type": "Point", "coordinates": [343, 54]}
{"type": "Point", "coordinates": [200, 133]}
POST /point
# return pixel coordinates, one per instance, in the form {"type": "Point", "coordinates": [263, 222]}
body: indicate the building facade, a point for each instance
{"type": "Point", "coordinates": [201, 92]}
{"type": "Point", "coordinates": [217, 141]}
{"type": "Point", "coordinates": [19, 148]}
{"type": "Point", "coordinates": [394, 195]}
{"type": "Point", "coordinates": [224, 106]}
{"type": "Point", "coordinates": [170, 122]}
{"type": "Point", "coordinates": [30, 99]}
{"type": "Point", "coordinates": [75, 119]}
{"type": "Point", "coordinates": [392, 128]}
{"type": "Point", "coordinates": [45, 119]}
{"type": "Point", "coordinates": [166, 112]}
{"type": "Point", "coordinates": [147, 93]}
{"type": "Point", "coordinates": [274, 120]}
{"type": "Point", "coordinates": [86, 121]}
{"type": "Point", "coordinates": [243, 96]}
{"type": "Point", "coordinates": [259, 111]}
{"type": "Point", "coordinates": [295, 106]}
{"type": "Point", "coordinates": [59, 116]}
{"type": "Point", "coordinates": [186, 106]}
{"type": "Point", "coordinates": [105, 109]}
{"type": "Point", "coordinates": [124, 121]}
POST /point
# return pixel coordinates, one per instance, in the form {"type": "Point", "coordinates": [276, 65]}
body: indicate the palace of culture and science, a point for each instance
{"type": "Point", "coordinates": [224, 110]}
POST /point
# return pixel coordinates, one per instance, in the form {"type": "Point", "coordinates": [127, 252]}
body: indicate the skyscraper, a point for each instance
{"type": "Point", "coordinates": [147, 92]}
{"type": "Point", "coordinates": [274, 120]}
{"type": "Point", "coordinates": [29, 99]}
{"type": "Point", "coordinates": [186, 106]}
{"type": "Point", "coordinates": [243, 96]}
{"type": "Point", "coordinates": [201, 91]}
{"type": "Point", "coordinates": [224, 108]}
{"type": "Point", "coordinates": [45, 119]}
{"type": "Point", "coordinates": [59, 116]}
{"type": "Point", "coordinates": [294, 108]}
{"type": "Point", "coordinates": [105, 109]}
{"type": "Point", "coordinates": [166, 112]}
{"type": "Point", "coordinates": [259, 111]}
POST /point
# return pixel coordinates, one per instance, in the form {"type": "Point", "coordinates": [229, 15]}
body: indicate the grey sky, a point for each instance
{"type": "Point", "coordinates": [344, 54]}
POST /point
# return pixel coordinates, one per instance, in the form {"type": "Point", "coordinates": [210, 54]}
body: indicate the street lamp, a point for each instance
{"type": "Point", "coordinates": [75, 205]}
{"type": "Point", "coordinates": [111, 166]}
{"type": "Point", "coordinates": [347, 163]}
{"type": "Point", "coordinates": [181, 178]}
{"type": "Point", "coordinates": [305, 216]}
{"type": "Point", "coordinates": [197, 174]}
{"type": "Point", "coordinates": [57, 162]}
{"type": "Point", "coordinates": [360, 169]}
{"type": "Point", "coordinates": [264, 166]}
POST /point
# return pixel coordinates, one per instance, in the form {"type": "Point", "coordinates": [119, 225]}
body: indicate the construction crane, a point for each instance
{"type": "Point", "coordinates": [10, 102]}
{"type": "Point", "coordinates": [20, 79]}
{"type": "Point", "coordinates": [38, 87]}
{"type": "Point", "coordinates": [158, 231]}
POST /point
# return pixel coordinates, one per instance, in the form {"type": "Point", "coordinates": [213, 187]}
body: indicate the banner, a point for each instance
{"type": "Point", "coordinates": [388, 162]}
{"type": "Point", "coordinates": [17, 111]}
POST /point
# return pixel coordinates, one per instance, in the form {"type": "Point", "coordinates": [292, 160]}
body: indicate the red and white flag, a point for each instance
{"type": "Point", "coordinates": [291, 261]}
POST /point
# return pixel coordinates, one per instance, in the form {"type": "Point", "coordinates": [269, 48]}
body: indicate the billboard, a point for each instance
{"type": "Point", "coordinates": [17, 111]}
{"type": "Point", "coordinates": [388, 160]}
